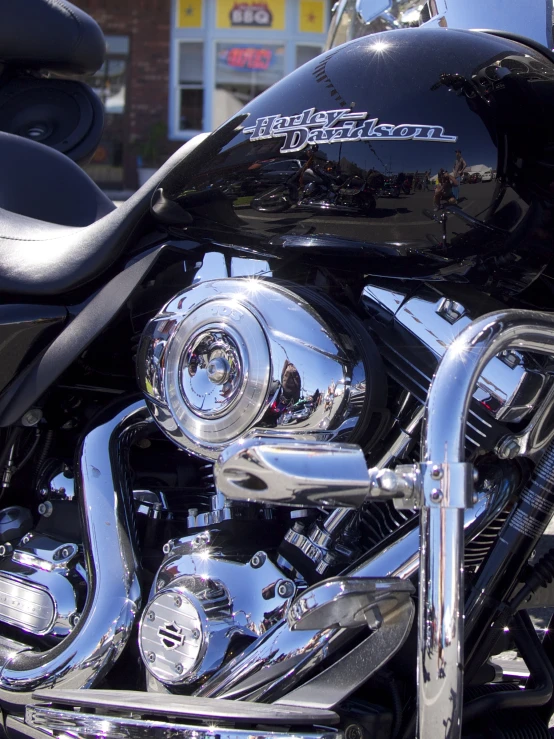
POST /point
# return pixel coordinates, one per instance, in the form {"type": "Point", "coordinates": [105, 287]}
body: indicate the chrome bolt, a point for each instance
{"type": "Point", "coordinates": [475, 475]}
{"type": "Point", "coordinates": [151, 657]}
{"type": "Point", "coordinates": [178, 601]}
{"type": "Point", "coordinates": [508, 448]}
{"type": "Point", "coordinates": [151, 616]}
{"type": "Point", "coordinates": [258, 560]}
{"type": "Point", "coordinates": [65, 552]}
{"type": "Point", "coordinates": [436, 495]}
{"type": "Point", "coordinates": [166, 548]}
{"type": "Point", "coordinates": [474, 498]}
{"type": "Point", "coordinates": [193, 512]}
{"type": "Point", "coordinates": [179, 668]}
{"type": "Point", "coordinates": [5, 549]}
{"type": "Point", "coordinates": [32, 417]}
{"type": "Point", "coordinates": [195, 633]}
{"type": "Point", "coordinates": [46, 509]}
{"type": "Point", "coordinates": [74, 620]}
{"type": "Point", "coordinates": [436, 472]}
{"type": "Point", "coordinates": [160, 584]}
{"type": "Point", "coordinates": [285, 589]}
{"type": "Point", "coordinates": [353, 732]}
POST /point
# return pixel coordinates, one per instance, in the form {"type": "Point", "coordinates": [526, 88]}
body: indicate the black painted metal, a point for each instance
{"type": "Point", "coordinates": [486, 611]}
{"type": "Point", "coordinates": [290, 172]}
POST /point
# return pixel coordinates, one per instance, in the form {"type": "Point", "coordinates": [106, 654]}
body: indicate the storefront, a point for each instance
{"type": "Point", "coordinates": [224, 53]}
{"type": "Point", "coordinates": [179, 67]}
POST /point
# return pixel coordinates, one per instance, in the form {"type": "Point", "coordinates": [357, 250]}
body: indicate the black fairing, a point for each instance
{"type": "Point", "coordinates": [291, 173]}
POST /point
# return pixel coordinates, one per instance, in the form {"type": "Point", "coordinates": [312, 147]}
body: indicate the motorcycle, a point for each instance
{"type": "Point", "coordinates": [321, 192]}
{"type": "Point", "coordinates": [236, 451]}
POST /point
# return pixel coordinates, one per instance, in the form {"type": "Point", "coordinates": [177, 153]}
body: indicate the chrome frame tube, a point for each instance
{"type": "Point", "coordinates": [113, 598]}
{"type": "Point", "coordinates": [446, 484]}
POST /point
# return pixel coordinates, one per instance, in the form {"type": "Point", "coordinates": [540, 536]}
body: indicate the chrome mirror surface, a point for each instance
{"type": "Point", "coordinates": [370, 9]}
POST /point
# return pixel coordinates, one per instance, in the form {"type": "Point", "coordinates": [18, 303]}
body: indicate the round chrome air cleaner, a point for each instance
{"type": "Point", "coordinates": [227, 357]}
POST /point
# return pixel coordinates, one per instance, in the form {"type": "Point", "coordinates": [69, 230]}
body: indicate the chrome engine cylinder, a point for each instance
{"type": "Point", "coordinates": [113, 596]}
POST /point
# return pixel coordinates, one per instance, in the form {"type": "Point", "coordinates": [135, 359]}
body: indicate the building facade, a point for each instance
{"type": "Point", "coordinates": [175, 68]}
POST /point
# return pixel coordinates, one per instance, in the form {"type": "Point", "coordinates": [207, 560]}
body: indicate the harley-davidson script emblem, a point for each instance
{"type": "Point", "coordinates": [336, 127]}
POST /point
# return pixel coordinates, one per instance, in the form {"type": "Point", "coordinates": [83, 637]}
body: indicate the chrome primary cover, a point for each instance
{"type": "Point", "coordinates": [227, 356]}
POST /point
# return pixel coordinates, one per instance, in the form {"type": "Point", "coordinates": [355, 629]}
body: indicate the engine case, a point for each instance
{"type": "Point", "coordinates": [201, 602]}
{"type": "Point", "coordinates": [39, 584]}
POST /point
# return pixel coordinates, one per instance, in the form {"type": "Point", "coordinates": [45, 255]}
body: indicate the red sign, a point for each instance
{"type": "Point", "coordinates": [247, 57]}
{"type": "Point", "coordinates": [251, 14]}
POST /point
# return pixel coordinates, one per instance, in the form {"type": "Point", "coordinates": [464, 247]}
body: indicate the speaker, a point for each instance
{"type": "Point", "coordinates": [63, 114]}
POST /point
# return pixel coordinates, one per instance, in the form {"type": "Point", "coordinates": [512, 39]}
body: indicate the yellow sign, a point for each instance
{"type": "Point", "coordinates": [312, 16]}
{"type": "Point", "coordinates": [189, 14]}
{"type": "Point", "coordinates": [268, 14]}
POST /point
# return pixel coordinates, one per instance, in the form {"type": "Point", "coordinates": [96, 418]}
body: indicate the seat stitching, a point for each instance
{"type": "Point", "coordinates": [67, 9]}
{"type": "Point", "coordinates": [34, 241]}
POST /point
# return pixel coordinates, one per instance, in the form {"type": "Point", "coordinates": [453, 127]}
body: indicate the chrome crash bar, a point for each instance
{"type": "Point", "coordinates": [442, 485]}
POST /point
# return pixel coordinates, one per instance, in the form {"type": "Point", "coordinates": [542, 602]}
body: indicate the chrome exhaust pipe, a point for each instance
{"type": "Point", "coordinates": [114, 596]}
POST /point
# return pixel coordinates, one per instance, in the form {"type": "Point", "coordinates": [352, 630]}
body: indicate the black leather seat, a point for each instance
{"type": "Point", "coordinates": [50, 34]}
{"type": "Point", "coordinates": [41, 183]}
{"type": "Point", "coordinates": [39, 258]}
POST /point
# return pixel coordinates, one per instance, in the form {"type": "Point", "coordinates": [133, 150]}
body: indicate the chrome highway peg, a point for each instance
{"type": "Point", "coordinates": [309, 473]}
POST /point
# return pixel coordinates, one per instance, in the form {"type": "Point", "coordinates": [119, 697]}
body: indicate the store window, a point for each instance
{"type": "Point", "coordinates": [224, 53]}
{"type": "Point", "coordinates": [110, 84]}
{"type": "Point", "coordinates": [305, 53]}
{"type": "Point", "coordinates": [243, 71]}
{"type": "Point", "coordinates": [191, 86]}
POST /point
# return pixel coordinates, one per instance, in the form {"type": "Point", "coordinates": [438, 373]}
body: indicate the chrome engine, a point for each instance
{"type": "Point", "coordinates": [236, 358]}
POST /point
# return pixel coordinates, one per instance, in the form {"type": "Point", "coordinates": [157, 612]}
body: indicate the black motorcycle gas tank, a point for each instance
{"type": "Point", "coordinates": [345, 151]}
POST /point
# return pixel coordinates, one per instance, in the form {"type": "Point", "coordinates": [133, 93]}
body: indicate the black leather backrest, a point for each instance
{"type": "Point", "coordinates": [50, 34]}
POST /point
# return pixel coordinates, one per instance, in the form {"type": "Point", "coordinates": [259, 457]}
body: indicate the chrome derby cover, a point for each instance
{"type": "Point", "coordinates": [227, 356]}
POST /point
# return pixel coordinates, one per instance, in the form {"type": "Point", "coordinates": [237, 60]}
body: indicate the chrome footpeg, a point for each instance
{"type": "Point", "coordinates": [385, 605]}
{"type": "Point", "coordinates": [308, 473]}
{"type": "Point", "coordinates": [191, 718]}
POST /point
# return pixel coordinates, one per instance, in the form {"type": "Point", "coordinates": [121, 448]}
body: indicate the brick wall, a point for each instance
{"type": "Point", "coordinates": [147, 23]}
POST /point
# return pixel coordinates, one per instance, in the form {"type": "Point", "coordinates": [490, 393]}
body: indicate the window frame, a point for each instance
{"type": "Point", "coordinates": [189, 132]}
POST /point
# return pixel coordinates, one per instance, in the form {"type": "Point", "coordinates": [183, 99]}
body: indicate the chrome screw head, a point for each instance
{"type": "Point", "coordinates": [179, 668]}
{"type": "Point", "coordinates": [151, 657]}
{"type": "Point", "coordinates": [178, 601]}
{"type": "Point", "coordinates": [285, 589]}
{"type": "Point", "coordinates": [258, 560]}
{"type": "Point", "coordinates": [151, 616]}
{"type": "Point", "coordinates": [508, 448]}
{"type": "Point", "coordinates": [195, 634]}
{"type": "Point", "coordinates": [436, 495]}
{"type": "Point", "coordinates": [436, 472]}
{"type": "Point", "coordinates": [353, 732]}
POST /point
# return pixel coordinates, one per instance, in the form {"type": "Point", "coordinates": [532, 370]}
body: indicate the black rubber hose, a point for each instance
{"type": "Point", "coordinates": [531, 650]}
{"type": "Point", "coordinates": [541, 576]}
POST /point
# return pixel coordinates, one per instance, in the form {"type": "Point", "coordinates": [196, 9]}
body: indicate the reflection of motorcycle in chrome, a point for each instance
{"type": "Point", "coordinates": [351, 196]}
